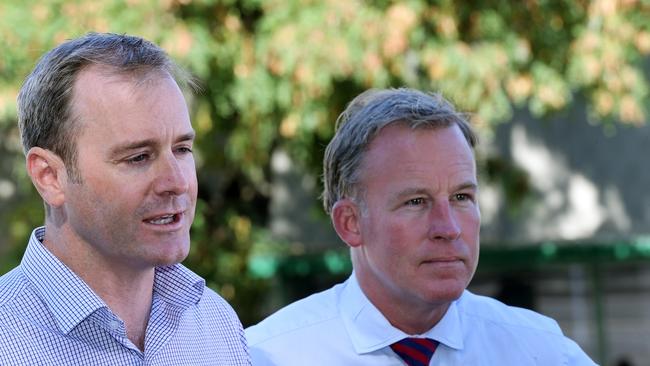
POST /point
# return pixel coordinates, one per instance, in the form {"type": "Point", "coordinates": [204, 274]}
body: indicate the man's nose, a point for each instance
{"type": "Point", "coordinates": [443, 222]}
{"type": "Point", "coordinates": [171, 178]}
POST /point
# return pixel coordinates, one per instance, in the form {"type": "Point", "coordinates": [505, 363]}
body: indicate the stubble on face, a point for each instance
{"type": "Point", "coordinates": [107, 209]}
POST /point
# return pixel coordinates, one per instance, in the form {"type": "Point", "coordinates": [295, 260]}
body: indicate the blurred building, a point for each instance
{"type": "Point", "coordinates": [583, 219]}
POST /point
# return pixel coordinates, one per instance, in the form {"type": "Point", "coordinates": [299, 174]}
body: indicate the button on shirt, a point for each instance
{"type": "Point", "coordinates": [340, 326]}
{"type": "Point", "coordinates": [49, 316]}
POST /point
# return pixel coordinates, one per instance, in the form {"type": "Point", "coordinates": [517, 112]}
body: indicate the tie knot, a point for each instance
{"type": "Point", "coordinates": [415, 351]}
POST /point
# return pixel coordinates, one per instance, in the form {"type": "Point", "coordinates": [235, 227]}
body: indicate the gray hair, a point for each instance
{"type": "Point", "coordinates": [45, 100]}
{"type": "Point", "coordinates": [362, 120]}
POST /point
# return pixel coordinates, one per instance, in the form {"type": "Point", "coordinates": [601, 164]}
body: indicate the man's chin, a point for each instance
{"type": "Point", "coordinates": [446, 293]}
{"type": "Point", "coordinates": [170, 257]}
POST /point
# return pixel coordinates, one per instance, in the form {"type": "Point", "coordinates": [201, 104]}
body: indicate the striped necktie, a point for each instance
{"type": "Point", "coordinates": [415, 351]}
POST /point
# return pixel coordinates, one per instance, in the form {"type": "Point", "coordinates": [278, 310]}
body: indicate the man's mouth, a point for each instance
{"type": "Point", "coordinates": [163, 220]}
{"type": "Point", "coordinates": [443, 261]}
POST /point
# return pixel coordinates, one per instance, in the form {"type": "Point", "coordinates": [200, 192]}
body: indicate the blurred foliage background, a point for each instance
{"type": "Point", "coordinates": [275, 75]}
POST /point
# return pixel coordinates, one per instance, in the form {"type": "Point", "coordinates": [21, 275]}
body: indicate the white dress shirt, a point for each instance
{"type": "Point", "coordinates": [340, 326]}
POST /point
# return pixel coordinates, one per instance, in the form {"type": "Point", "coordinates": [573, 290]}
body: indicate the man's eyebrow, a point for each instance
{"type": "Point", "coordinates": [467, 185]}
{"type": "Point", "coordinates": [423, 190]}
{"type": "Point", "coordinates": [132, 145]}
{"type": "Point", "coordinates": [190, 136]}
{"type": "Point", "coordinates": [413, 191]}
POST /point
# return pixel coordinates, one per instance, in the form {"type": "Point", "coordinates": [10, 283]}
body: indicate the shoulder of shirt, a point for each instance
{"type": "Point", "coordinates": [491, 310]}
{"type": "Point", "coordinates": [11, 283]}
{"type": "Point", "coordinates": [212, 297]}
{"type": "Point", "coordinates": [213, 303]}
{"type": "Point", "coordinates": [311, 311]}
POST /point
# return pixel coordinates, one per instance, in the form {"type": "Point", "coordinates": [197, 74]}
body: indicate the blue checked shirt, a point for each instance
{"type": "Point", "coordinates": [49, 316]}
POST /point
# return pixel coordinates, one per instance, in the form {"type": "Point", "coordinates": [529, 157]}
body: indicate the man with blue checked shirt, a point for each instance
{"type": "Point", "coordinates": [401, 190]}
{"type": "Point", "coordinates": [108, 144]}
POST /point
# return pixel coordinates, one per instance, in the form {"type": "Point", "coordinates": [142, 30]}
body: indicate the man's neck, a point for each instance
{"type": "Point", "coordinates": [126, 291]}
{"type": "Point", "coordinates": [129, 298]}
{"type": "Point", "coordinates": [411, 318]}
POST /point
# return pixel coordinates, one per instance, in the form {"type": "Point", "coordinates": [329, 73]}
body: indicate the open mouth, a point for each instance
{"type": "Point", "coordinates": [164, 219]}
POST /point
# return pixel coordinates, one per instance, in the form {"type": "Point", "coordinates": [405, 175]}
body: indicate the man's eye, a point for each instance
{"type": "Point", "coordinates": [184, 150]}
{"type": "Point", "coordinates": [138, 159]}
{"type": "Point", "coordinates": [415, 202]}
{"type": "Point", "coordinates": [462, 197]}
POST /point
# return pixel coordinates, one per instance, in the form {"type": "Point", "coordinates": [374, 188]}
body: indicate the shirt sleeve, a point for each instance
{"type": "Point", "coordinates": [576, 356]}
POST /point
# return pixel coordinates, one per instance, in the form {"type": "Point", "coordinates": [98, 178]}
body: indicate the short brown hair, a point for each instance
{"type": "Point", "coordinates": [45, 99]}
{"type": "Point", "coordinates": [362, 120]}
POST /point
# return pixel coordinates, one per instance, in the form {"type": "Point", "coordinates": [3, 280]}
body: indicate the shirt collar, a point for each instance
{"type": "Point", "coordinates": [178, 286]}
{"type": "Point", "coordinates": [66, 295]}
{"type": "Point", "coordinates": [369, 330]}
{"type": "Point", "coordinates": [71, 300]}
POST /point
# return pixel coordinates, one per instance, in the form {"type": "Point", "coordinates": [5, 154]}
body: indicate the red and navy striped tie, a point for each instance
{"type": "Point", "coordinates": [415, 351]}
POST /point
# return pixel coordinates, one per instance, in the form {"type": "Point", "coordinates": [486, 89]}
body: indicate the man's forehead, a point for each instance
{"type": "Point", "coordinates": [133, 78]}
{"type": "Point", "coordinates": [128, 101]}
{"type": "Point", "coordinates": [101, 86]}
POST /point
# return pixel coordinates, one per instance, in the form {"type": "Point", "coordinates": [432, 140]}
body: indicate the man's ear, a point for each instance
{"type": "Point", "coordinates": [48, 174]}
{"type": "Point", "coordinates": [346, 217]}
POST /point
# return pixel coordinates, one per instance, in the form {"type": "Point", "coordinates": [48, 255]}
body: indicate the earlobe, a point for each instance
{"type": "Point", "coordinates": [345, 218]}
{"type": "Point", "coordinates": [47, 171]}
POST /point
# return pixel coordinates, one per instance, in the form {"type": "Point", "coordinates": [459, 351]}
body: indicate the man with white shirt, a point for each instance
{"type": "Point", "coordinates": [401, 189]}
